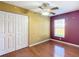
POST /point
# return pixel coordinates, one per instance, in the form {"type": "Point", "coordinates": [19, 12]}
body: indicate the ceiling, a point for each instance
{"type": "Point", "coordinates": [64, 6]}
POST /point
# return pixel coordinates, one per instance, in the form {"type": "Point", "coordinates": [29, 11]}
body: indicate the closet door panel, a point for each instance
{"type": "Point", "coordinates": [22, 33]}
{"type": "Point", "coordinates": [25, 31]}
{"type": "Point", "coordinates": [11, 32]}
{"type": "Point", "coordinates": [17, 32]}
{"type": "Point", "coordinates": [6, 30]}
{"type": "Point", "coordinates": [2, 47]}
{"type": "Point", "coordinates": [21, 40]}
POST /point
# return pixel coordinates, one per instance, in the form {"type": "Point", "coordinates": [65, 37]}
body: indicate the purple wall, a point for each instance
{"type": "Point", "coordinates": [71, 28]}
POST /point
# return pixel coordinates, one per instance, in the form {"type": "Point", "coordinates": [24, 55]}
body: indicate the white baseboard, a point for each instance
{"type": "Point", "coordinates": [39, 42]}
{"type": "Point", "coordinates": [65, 43]}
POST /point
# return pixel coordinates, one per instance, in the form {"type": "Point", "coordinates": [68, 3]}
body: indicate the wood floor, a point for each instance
{"type": "Point", "coordinates": [47, 49]}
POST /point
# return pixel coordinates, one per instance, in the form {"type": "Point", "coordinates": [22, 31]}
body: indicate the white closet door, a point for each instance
{"type": "Point", "coordinates": [2, 34]}
{"type": "Point", "coordinates": [13, 32]}
{"type": "Point", "coordinates": [11, 36]}
{"type": "Point", "coordinates": [21, 32]}
{"type": "Point", "coordinates": [6, 30]}
{"type": "Point", "coordinates": [25, 31]}
{"type": "Point", "coordinates": [9, 32]}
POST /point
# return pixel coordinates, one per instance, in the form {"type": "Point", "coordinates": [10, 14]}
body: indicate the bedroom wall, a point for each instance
{"type": "Point", "coordinates": [71, 27]}
{"type": "Point", "coordinates": [39, 26]}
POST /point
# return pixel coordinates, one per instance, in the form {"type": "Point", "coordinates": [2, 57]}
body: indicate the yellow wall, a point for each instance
{"type": "Point", "coordinates": [38, 24]}
{"type": "Point", "coordinates": [39, 28]}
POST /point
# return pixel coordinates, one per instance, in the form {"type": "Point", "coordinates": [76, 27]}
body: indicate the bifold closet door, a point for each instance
{"type": "Point", "coordinates": [2, 47]}
{"type": "Point", "coordinates": [7, 33]}
{"type": "Point", "coordinates": [13, 32]}
{"type": "Point", "coordinates": [21, 26]}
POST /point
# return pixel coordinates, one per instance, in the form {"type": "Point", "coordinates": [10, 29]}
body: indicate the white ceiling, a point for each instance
{"type": "Point", "coordinates": [64, 6]}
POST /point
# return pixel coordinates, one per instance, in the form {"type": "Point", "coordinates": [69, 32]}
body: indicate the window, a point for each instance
{"type": "Point", "coordinates": [59, 28]}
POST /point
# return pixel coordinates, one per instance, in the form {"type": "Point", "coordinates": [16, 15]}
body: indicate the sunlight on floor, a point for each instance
{"type": "Point", "coordinates": [58, 51]}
